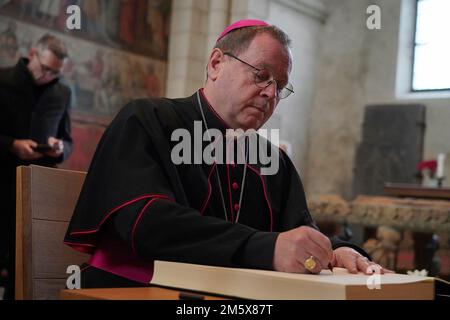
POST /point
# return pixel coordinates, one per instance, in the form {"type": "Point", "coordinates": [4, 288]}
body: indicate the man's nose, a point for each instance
{"type": "Point", "coordinates": [270, 90]}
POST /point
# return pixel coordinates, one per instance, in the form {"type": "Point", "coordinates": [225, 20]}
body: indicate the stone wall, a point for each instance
{"type": "Point", "coordinates": [357, 67]}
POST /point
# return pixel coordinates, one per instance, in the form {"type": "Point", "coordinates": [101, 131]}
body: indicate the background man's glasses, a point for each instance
{"type": "Point", "coordinates": [263, 79]}
{"type": "Point", "coordinates": [47, 70]}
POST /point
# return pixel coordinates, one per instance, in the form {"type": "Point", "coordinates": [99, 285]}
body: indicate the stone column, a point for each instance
{"type": "Point", "coordinates": [194, 26]}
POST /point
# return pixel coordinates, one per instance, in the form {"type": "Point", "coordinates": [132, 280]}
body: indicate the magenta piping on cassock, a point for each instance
{"type": "Point", "coordinates": [206, 202]}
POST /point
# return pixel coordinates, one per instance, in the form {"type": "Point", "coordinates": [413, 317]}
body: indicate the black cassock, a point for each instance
{"type": "Point", "coordinates": [151, 209]}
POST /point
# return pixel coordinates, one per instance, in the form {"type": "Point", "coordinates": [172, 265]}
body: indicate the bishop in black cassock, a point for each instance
{"type": "Point", "coordinates": [138, 205]}
{"type": "Point", "coordinates": [149, 208]}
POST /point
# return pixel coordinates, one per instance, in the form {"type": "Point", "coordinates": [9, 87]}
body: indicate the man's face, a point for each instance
{"type": "Point", "coordinates": [44, 66]}
{"type": "Point", "coordinates": [244, 104]}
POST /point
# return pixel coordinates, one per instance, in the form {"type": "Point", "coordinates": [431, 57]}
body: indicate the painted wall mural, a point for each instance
{"type": "Point", "coordinates": [112, 60]}
{"type": "Point", "coordinates": [120, 52]}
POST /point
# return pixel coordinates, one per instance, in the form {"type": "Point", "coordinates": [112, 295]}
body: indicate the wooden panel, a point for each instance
{"type": "Point", "coordinates": [55, 192]}
{"type": "Point", "coordinates": [417, 191]}
{"type": "Point", "coordinates": [48, 289]}
{"type": "Point", "coordinates": [151, 293]}
{"type": "Point", "coordinates": [24, 271]}
{"type": "Point", "coordinates": [51, 256]}
{"type": "Point", "coordinates": [46, 198]}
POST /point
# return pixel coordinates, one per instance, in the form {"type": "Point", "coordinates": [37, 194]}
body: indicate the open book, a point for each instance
{"type": "Point", "coordinates": [273, 285]}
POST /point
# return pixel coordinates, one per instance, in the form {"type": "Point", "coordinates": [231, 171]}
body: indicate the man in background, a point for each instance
{"type": "Point", "coordinates": [34, 129]}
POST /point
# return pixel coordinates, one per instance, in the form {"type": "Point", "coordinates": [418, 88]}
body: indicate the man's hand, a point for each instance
{"type": "Point", "coordinates": [58, 147]}
{"type": "Point", "coordinates": [354, 262]}
{"type": "Point", "coordinates": [295, 246]}
{"type": "Point", "coordinates": [23, 149]}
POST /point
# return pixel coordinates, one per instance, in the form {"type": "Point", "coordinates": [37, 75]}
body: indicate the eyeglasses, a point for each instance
{"type": "Point", "coordinates": [264, 78]}
{"type": "Point", "coordinates": [47, 70]}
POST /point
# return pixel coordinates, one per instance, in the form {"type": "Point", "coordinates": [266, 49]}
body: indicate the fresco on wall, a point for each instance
{"type": "Point", "coordinates": [139, 26]}
{"type": "Point", "coordinates": [86, 138]}
{"type": "Point", "coordinates": [101, 77]}
{"type": "Point", "coordinates": [119, 54]}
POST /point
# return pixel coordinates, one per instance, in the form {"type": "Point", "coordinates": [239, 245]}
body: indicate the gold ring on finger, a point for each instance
{"type": "Point", "coordinates": [310, 263]}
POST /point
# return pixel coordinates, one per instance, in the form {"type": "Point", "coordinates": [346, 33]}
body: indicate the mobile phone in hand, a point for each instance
{"type": "Point", "coordinates": [43, 147]}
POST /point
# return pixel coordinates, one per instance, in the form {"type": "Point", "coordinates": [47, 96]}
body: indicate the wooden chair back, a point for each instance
{"type": "Point", "coordinates": [46, 198]}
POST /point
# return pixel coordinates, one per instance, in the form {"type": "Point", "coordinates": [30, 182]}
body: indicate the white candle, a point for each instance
{"type": "Point", "coordinates": [440, 165]}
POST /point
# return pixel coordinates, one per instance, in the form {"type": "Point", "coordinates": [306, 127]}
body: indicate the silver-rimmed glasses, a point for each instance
{"type": "Point", "coordinates": [263, 78]}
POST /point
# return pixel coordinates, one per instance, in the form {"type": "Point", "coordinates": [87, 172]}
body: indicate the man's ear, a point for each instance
{"type": "Point", "coordinates": [215, 64]}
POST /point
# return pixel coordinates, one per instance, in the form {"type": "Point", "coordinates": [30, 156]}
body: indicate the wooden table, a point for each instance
{"type": "Point", "coordinates": [416, 191]}
{"type": "Point", "coordinates": [148, 293]}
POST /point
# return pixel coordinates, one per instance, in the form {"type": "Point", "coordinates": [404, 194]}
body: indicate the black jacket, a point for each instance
{"type": "Point", "coordinates": [32, 112]}
{"type": "Point", "coordinates": [27, 111]}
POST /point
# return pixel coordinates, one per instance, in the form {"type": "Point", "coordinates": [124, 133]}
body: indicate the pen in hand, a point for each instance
{"type": "Point", "coordinates": [310, 222]}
